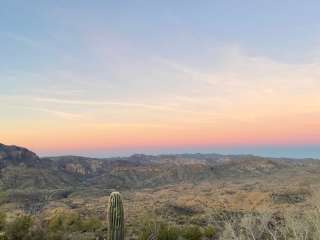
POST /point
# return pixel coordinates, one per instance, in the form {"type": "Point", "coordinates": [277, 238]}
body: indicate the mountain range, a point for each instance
{"type": "Point", "coordinates": [22, 169]}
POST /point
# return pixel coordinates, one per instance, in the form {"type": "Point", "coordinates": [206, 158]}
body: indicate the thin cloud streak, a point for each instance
{"type": "Point", "coordinates": [101, 103]}
{"type": "Point", "coordinates": [58, 113]}
{"type": "Point", "coordinates": [172, 108]}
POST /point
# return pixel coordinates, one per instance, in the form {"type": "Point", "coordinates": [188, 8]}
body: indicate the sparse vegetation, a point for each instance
{"type": "Point", "coordinates": [219, 226]}
{"type": "Point", "coordinates": [19, 229]}
{"type": "Point", "coordinates": [66, 226]}
{"type": "Point", "coordinates": [180, 197]}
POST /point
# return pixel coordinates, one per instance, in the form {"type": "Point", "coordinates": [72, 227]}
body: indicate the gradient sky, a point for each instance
{"type": "Point", "coordinates": [105, 78]}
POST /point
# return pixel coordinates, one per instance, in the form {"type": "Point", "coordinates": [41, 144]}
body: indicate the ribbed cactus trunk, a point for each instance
{"type": "Point", "coordinates": [116, 217]}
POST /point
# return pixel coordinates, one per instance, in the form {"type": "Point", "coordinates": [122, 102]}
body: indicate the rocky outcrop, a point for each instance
{"type": "Point", "coordinates": [13, 155]}
{"type": "Point", "coordinates": [76, 168]}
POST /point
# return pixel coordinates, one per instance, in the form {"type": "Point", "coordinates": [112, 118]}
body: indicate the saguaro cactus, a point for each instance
{"type": "Point", "coordinates": [116, 217]}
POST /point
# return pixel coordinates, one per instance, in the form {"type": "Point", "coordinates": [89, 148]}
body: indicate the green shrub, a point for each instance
{"type": "Point", "coordinates": [91, 225]}
{"type": "Point", "coordinates": [3, 220]}
{"type": "Point", "coordinates": [72, 222]}
{"type": "Point", "coordinates": [19, 228]}
{"type": "Point", "coordinates": [56, 224]}
{"type": "Point", "coordinates": [209, 232]}
{"type": "Point", "coordinates": [191, 232]}
{"type": "Point", "coordinates": [3, 236]}
{"type": "Point", "coordinates": [148, 229]}
{"type": "Point", "coordinates": [159, 231]}
{"type": "Point", "coordinates": [38, 234]}
{"type": "Point", "coordinates": [55, 235]}
{"type": "Point", "coordinates": [167, 232]}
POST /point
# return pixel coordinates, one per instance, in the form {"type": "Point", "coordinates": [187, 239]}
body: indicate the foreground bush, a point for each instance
{"type": "Point", "coordinates": [209, 232]}
{"type": "Point", "coordinates": [60, 227]}
{"type": "Point", "coordinates": [19, 229]}
{"type": "Point", "coordinates": [254, 226]}
{"type": "Point", "coordinates": [191, 233]}
{"type": "Point", "coordinates": [68, 225]}
{"type": "Point", "coordinates": [163, 231]}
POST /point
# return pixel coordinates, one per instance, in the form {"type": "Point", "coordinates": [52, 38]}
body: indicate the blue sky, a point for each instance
{"type": "Point", "coordinates": [123, 69]}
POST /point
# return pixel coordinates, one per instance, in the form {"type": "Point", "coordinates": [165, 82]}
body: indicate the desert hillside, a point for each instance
{"type": "Point", "coordinates": [184, 189]}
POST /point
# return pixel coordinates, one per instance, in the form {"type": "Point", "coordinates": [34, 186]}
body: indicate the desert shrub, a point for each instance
{"type": "Point", "coordinates": [55, 236]}
{"type": "Point", "coordinates": [191, 232]}
{"type": "Point", "coordinates": [65, 222]}
{"type": "Point", "coordinates": [209, 232]}
{"type": "Point", "coordinates": [254, 226]}
{"type": "Point", "coordinates": [159, 231]}
{"type": "Point", "coordinates": [38, 234]}
{"type": "Point", "coordinates": [228, 232]}
{"type": "Point", "coordinates": [148, 230]}
{"type": "Point", "coordinates": [72, 222]}
{"type": "Point", "coordinates": [301, 226]}
{"type": "Point", "coordinates": [3, 236]}
{"type": "Point", "coordinates": [3, 197]}
{"type": "Point", "coordinates": [167, 232]}
{"type": "Point", "coordinates": [3, 220]}
{"type": "Point", "coordinates": [91, 224]}
{"type": "Point", "coordinates": [19, 229]}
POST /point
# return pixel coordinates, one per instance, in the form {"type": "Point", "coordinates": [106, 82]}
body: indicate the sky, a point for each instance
{"type": "Point", "coordinates": [110, 78]}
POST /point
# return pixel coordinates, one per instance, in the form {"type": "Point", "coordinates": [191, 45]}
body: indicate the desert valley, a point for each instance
{"type": "Point", "coordinates": [185, 190]}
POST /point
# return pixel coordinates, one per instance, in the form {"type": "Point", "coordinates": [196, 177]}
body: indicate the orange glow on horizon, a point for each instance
{"type": "Point", "coordinates": [274, 130]}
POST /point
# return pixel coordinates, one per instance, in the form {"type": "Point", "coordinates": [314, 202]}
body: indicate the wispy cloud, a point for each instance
{"type": "Point", "coordinates": [62, 92]}
{"type": "Point", "coordinates": [240, 74]}
{"type": "Point", "coordinates": [104, 103]}
{"type": "Point", "coordinates": [191, 72]}
{"type": "Point", "coordinates": [58, 113]}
